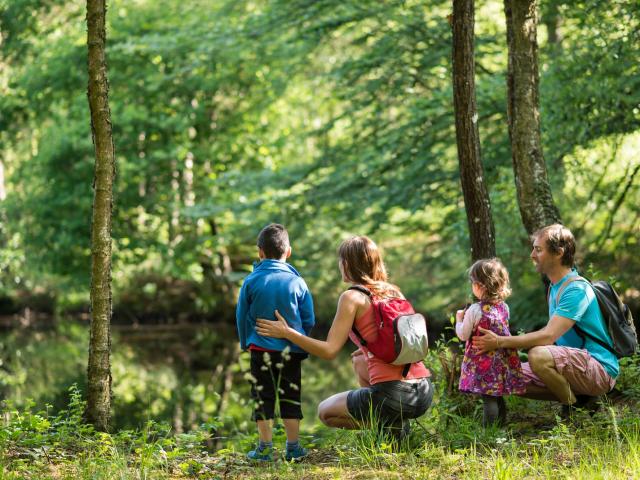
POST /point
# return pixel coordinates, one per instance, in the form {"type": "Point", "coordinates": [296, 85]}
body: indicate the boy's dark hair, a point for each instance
{"type": "Point", "coordinates": [273, 240]}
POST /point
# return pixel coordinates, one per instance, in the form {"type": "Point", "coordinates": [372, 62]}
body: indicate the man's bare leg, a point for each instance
{"type": "Point", "coordinates": [543, 365]}
{"type": "Point", "coordinates": [535, 392]}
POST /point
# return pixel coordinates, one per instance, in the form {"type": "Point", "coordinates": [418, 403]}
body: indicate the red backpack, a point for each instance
{"type": "Point", "coordinates": [402, 333]}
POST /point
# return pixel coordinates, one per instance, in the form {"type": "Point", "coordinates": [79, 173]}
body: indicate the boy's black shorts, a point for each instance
{"type": "Point", "coordinates": [277, 379]}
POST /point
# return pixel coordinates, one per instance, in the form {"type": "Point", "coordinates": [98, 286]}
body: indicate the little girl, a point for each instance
{"type": "Point", "coordinates": [497, 373]}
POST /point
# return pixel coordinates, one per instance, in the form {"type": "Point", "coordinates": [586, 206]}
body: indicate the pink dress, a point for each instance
{"type": "Point", "coordinates": [493, 373]}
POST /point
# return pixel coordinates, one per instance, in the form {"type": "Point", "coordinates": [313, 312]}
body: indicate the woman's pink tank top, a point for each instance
{"type": "Point", "coordinates": [380, 371]}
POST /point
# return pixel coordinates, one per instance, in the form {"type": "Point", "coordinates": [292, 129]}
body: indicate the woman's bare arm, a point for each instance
{"type": "Point", "coordinates": [348, 306]}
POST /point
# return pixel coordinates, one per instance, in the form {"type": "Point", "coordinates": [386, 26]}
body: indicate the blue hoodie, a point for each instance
{"type": "Point", "coordinates": [273, 285]}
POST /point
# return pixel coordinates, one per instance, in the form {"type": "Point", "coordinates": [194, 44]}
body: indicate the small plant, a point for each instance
{"type": "Point", "coordinates": [628, 382]}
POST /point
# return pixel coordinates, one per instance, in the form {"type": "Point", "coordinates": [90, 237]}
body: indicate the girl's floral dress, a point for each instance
{"type": "Point", "coordinates": [493, 373]}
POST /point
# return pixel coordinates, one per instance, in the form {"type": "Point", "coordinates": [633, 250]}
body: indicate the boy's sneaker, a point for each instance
{"type": "Point", "coordinates": [261, 455]}
{"type": "Point", "coordinates": [295, 454]}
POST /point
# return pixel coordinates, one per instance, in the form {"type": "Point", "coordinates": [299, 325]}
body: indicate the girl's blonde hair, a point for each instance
{"type": "Point", "coordinates": [493, 276]}
{"type": "Point", "coordinates": [362, 264]}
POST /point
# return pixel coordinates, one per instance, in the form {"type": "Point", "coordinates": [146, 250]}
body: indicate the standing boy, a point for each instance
{"type": "Point", "coordinates": [275, 363]}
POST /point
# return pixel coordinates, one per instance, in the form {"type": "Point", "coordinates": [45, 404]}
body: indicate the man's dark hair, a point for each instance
{"type": "Point", "coordinates": [559, 237]}
{"type": "Point", "coordinates": [273, 240]}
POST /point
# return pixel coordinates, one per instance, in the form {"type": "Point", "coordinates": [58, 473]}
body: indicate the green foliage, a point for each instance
{"type": "Point", "coordinates": [629, 380]}
{"type": "Point", "coordinates": [331, 117]}
{"type": "Point", "coordinates": [54, 439]}
{"type": "Point", "coordinates": [593, 92]}
{"type": "Point", "coordinates": [445, 442]}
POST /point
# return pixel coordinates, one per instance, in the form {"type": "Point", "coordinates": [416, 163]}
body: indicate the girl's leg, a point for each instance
{"type": "Point", "coordinates": [333, 412]}
{"type": "Point", "coordinates": [490, 410]}
{"type": "Point", "coordinates": [502, 411]}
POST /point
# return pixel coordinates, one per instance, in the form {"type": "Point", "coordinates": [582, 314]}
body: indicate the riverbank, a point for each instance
{"type": "Point", "coordinates": [442, 445]}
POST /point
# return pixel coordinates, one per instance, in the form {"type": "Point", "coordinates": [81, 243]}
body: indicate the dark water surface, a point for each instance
{"type": "Point", "coordinates": [183, 374]}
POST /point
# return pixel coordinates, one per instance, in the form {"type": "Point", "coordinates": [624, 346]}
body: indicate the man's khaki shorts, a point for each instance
{"type": "Point", "coordinates": [583, 372]}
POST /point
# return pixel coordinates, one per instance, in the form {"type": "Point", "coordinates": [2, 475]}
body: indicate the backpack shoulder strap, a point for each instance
{"type": "Point", "coordinates": [368, 293]}
{"type": "Point", "coordinates": [361, 289]}
{"type": "Point", "coordinates": [581, 333]}
{"type": "Point", "coordinates": [566, 283]}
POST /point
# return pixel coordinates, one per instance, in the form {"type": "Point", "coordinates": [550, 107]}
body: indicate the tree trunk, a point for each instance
{"type": "Point", "coordinates": [474, 189]}
{"type": "Point", "coordinates": [535, 200]}
{"type": "Point", "coordinates": [99, 368]}
{"type": "Point", "coordinates": [552, 21]}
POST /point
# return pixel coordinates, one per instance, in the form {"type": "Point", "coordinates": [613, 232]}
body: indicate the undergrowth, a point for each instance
{"type": "Point", "coordinates": [447, 442]}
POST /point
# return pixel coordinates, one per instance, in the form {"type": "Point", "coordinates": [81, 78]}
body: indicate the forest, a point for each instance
{"type": "Point", "coordinates": [333, 118]}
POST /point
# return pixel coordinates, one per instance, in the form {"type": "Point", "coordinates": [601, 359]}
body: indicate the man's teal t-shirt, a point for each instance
{"type": "Point", "coordinates": [579, 303]}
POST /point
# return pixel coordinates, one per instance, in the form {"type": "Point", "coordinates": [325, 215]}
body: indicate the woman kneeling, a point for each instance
{"type": "Point", "coordinates": [386, 395]}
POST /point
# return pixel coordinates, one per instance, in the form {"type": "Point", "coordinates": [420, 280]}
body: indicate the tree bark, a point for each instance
{"type": "Point", "coordinates": [535, 199]}
{"type": "Point", "coordinates": [99, 367]}
{"type": "Point", "coordinates": [474, 189]}
{"type": "Point", "coordinates": [552, 21]}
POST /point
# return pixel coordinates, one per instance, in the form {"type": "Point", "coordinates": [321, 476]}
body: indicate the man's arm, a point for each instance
{"type": "Point", "coordinates": [547, 335]}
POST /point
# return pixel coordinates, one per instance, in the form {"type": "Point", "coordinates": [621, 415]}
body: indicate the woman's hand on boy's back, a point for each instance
{"type": "Point", "coordinates": [273, 328]}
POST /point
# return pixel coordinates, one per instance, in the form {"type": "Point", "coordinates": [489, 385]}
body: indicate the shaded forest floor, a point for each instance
{"type": "Point", "coordinates": [448, 442]}
{"type": "Point", "coordinates": [445, 443]}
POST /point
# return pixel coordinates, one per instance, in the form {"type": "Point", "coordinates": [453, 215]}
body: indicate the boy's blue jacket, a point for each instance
{"type": "Point", "coordinates": [272, 285]}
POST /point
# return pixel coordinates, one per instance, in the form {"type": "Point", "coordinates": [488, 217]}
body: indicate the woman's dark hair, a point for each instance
{"type": "Point", "coordinates": [493, 276]}
{"type": "Point", "coordinates": [559, 238]}
{"type": "Point", "coordinates": [362, 264]}
{"type": "Point", "coordinates": [273, 240]}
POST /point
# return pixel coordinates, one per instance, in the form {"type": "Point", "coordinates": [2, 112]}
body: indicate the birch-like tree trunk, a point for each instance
{"type": "Point", "coordinates": [474, 189]}
{"type": "Point", "coordinates": [99, 367]}
{"type": "Point", "coordinates": [535, 199]}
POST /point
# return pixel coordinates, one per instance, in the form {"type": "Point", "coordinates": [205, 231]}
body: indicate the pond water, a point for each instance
{"type": "Point", "coordinates": [182, 375]}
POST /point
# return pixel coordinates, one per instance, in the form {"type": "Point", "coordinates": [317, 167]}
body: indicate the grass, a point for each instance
{"type": "Point", "coordinates": [444, 444]}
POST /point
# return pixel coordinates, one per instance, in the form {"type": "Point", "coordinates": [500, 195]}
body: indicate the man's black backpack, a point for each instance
{"type": "Point", "coordinates": [617, 318]}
